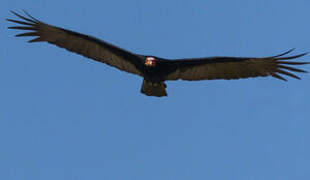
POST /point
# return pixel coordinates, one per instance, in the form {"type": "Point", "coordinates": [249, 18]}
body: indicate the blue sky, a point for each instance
{"type": "Point", "coordinates": [65, 117]}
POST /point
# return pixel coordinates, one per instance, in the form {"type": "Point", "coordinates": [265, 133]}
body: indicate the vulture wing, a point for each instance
{"type": "Point", "coordinates": [79, 43]}
{"type": "Point", "coordinates": [234, 67]}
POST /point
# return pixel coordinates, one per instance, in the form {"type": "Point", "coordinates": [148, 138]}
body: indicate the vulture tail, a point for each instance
{"type": "Point", "coordinates": [154, 89]}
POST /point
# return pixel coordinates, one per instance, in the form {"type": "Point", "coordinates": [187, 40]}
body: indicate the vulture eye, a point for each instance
{"type": "Point", "coordinates": [150, 61]}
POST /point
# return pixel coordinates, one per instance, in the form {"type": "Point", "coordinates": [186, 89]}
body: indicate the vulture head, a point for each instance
{"type": "Point", "coordinates": [150, 61]}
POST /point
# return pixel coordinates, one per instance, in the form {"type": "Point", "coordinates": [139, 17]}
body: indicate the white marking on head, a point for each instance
{"type": "Point", "coordinates": [150, 58]}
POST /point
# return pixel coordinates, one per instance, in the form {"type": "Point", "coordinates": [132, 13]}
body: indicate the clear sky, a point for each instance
{"type": "Point", "coordinates": [64, 117]}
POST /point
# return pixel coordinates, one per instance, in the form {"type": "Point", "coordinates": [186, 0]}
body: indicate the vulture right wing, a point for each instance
{"type": "Point", "coordinates": [79, 43]}
{"type": "Point", "coordinates": [234, 67]}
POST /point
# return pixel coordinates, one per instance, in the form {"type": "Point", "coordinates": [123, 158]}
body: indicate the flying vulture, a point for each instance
{"type": "Point", "coordinates": [155, 70]}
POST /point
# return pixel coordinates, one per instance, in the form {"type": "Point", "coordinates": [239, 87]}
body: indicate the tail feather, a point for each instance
{"type": "Point", "coordinates": [154, 89]}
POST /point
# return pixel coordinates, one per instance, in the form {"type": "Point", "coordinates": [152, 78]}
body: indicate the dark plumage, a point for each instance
{"type": "Point", "coordinates": [156, 70]}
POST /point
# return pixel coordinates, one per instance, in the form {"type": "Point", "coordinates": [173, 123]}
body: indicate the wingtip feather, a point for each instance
{"type": "Point", "coordinates": [292, 69]}
{"type": "Point", "coordinates": [278, 77]}
{"type": "Point", "coordinates": [287, 74]}
{"type": "Point", "coordinates": [20, 22]}
{"type": "Point", "coordinates": [22, 17]}
{"type": "Point", "coordinates": [33, 18]}
{"type": "Point", "coordinates": [282, 54]}
{"type": "Point", "coordinates": [292, 57]}
{"type": "Point", "coordinates": [35, 40]}
{"type": "Point", "coordinates": [28, 34]}
{"type": "Point", "coordinates": [22, 28]}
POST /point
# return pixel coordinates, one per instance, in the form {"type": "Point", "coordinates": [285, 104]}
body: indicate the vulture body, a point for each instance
{"type": "Point", "coordinates": [156, 70]}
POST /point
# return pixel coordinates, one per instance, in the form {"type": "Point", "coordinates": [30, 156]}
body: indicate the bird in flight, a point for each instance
{"type": "Point", "coordinates": [155, 70]}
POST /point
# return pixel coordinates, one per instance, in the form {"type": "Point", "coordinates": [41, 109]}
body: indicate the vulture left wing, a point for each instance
{"type": "Point", "coordinates": [234, 67]}
{"type": "Point", "coordinates": [79, 43]}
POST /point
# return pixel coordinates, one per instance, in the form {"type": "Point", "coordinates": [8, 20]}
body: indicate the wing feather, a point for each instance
{"type": "Point", "coordinates": [234, 67]}
{"type": "Point", "coordinates": [79, 43]}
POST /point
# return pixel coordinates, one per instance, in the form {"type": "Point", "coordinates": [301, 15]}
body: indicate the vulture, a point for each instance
{"type": "Point", "coordinates": [156, 70]}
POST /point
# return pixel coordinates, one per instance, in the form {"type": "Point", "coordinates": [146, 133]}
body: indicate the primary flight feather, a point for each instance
{"type": "Point", "coordinates": [156, 70]}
